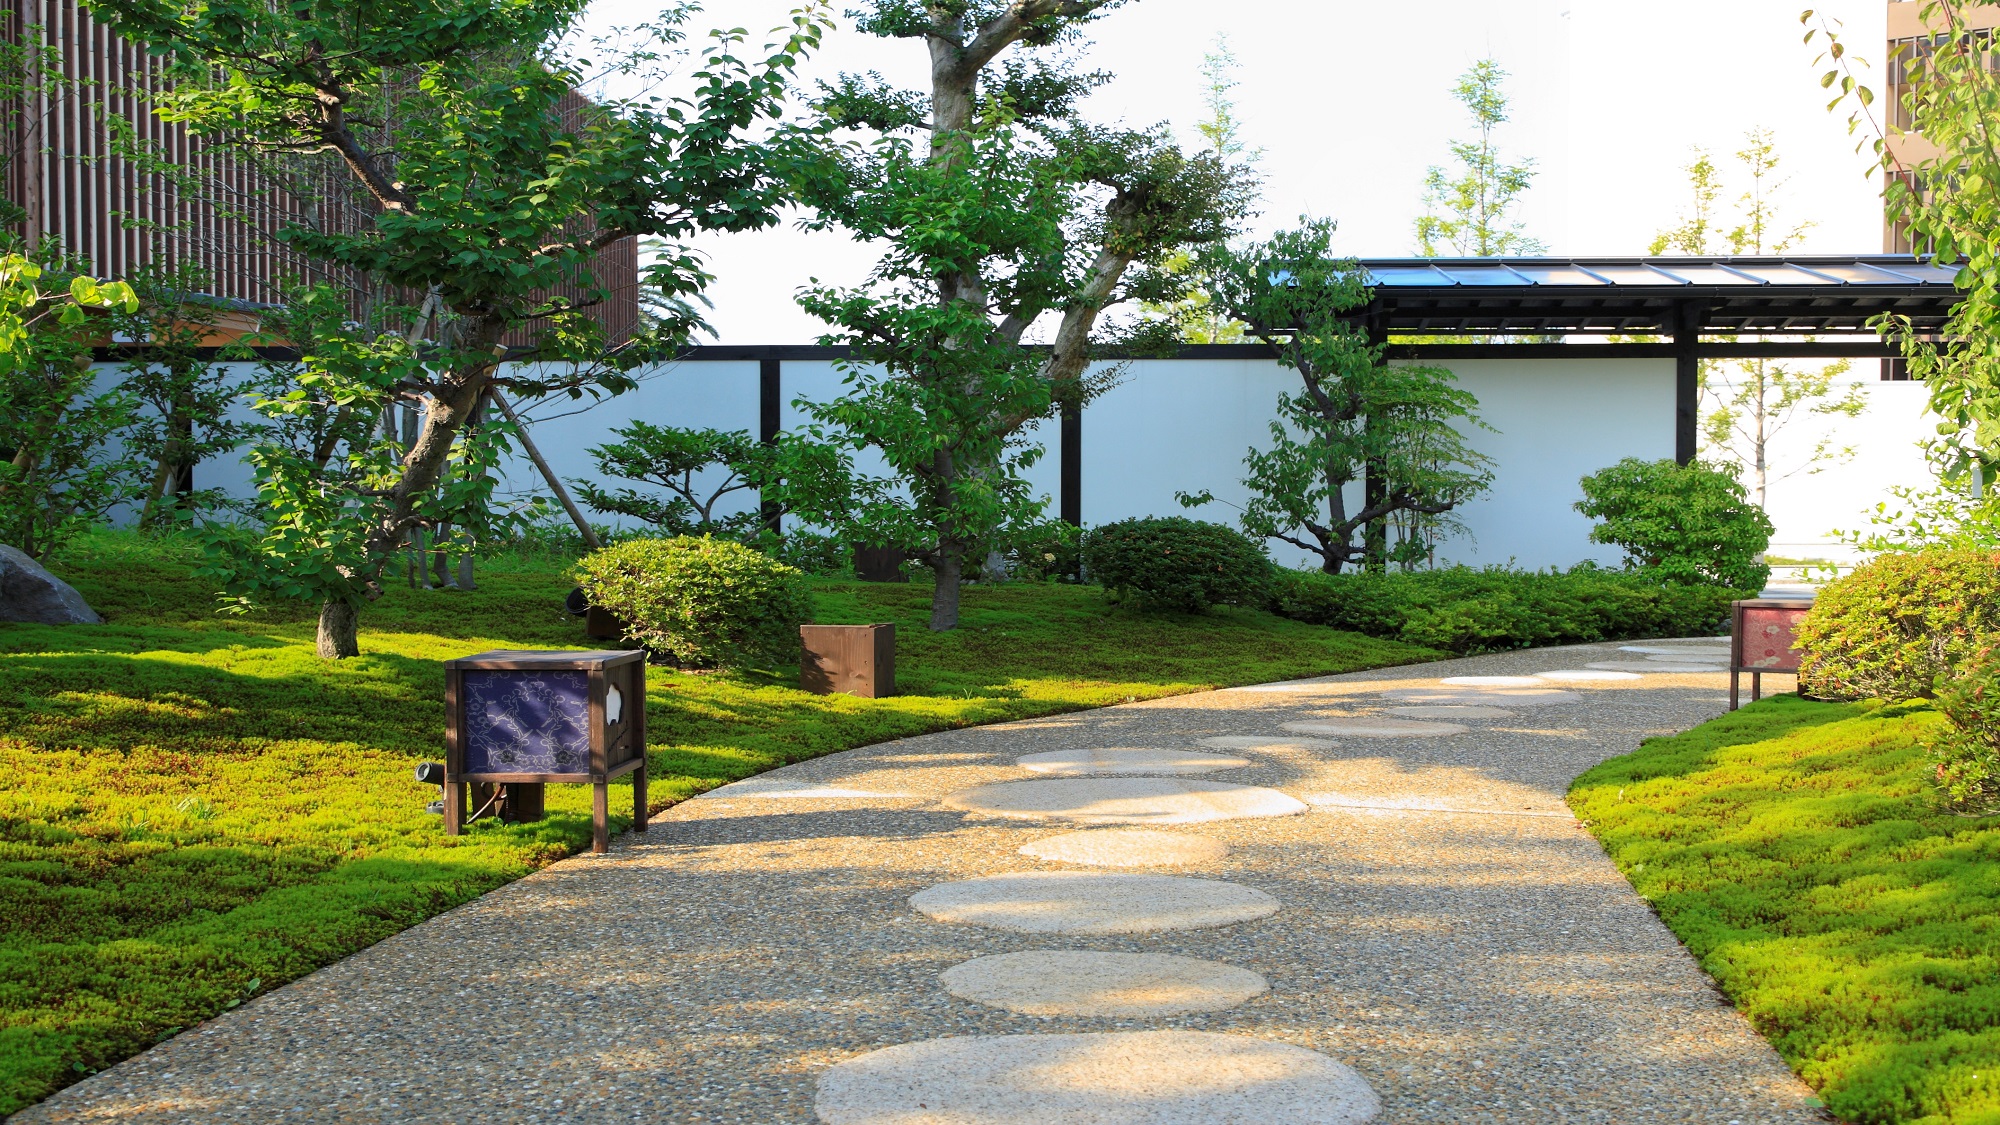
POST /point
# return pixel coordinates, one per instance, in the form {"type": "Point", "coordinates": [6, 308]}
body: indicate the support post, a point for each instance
{"type": "Point", "coordinates": [1687, 381]}
{"type": "Point", "coordinates": [770, 408]}
{"type": "Point", "coordinates": [1071, 438]}
{"type": "Point", "coordinates": [555, 483]}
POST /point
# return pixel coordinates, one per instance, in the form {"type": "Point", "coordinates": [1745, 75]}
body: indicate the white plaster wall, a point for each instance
{"type": "Point", "coordinates": [1806, 508]}
{"type": "Point", "coordinates": [1184, 425]}
{"type": "Point", "coordinates": [721, 395]}
{"type": "Point", "coordinates": [1554, 422]}
{"type": "Point", "coordinates": [1178, 426]}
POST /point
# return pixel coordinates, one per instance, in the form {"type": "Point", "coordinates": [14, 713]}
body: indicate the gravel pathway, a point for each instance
{"type": "Point", "coordinates": [1445, 928]}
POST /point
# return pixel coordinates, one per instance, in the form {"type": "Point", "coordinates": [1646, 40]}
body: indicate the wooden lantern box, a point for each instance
{"type": "Point", "coordinates": [850, 659]}
{"type": "Point", "coordinates": [1763, 637]}
{"type": "Point", "coordinates": [522, 719]}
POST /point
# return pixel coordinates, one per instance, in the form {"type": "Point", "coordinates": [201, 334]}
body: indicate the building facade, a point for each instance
{"type": "Point", "coordinates": [78, 115]}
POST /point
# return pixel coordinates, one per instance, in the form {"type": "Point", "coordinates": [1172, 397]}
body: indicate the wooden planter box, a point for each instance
{"type": "Point", "coordinates": [517, 720]}
{"type": "Point", "coordinates": [853, 659]}
{"type": "Point", "coordinates": [1763, 637]}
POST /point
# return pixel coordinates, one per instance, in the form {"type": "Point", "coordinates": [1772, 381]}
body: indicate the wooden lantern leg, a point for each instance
{"type": "Point", "coordinates": [1756, 686]}
{"type": "Point", "coordinates": [600, 811]}
{"type": "Point", "coordinates": [639, 798]}
{"type": "Point", "coordinates": [1735, 681]}
{"type": "Point", "coordinates": [454, 809]}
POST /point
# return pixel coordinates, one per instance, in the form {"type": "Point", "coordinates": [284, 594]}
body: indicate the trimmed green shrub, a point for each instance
{"type": "Point", "coordinates": [1045, 551]}
{"type": "Point", "coordinates": [1683, 524]}
{"type": "Point", "coordinates": [1172, 562]}
{"type": "Point", "coordinates": [699, 601]}
{"type": "Point", "coordinates": [1966, 751]}
{"type": "Point", "coordinates": [1891, 628]}
{"type": "Point", "coordinates": [1463, 610]}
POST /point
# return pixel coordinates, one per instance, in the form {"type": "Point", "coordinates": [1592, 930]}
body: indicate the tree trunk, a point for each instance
{"type": "Point", "coordinates": [944, 599]}
{"type": "Point", "coordinates": [339, 628]}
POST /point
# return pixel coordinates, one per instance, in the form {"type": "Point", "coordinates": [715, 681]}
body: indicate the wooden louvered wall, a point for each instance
{"type": "Point", "coordinates": [62, 169]}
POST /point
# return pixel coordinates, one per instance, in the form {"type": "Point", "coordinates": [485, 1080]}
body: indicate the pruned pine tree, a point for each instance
{"type": "Point", "coordinates": [492, 185]}
{"type": "Point", "coordinates": [1000, 209]}
{"type": "Point", "coordinates": [1353, 416]}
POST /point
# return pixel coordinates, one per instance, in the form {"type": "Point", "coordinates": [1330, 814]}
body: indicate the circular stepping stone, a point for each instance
{"type": "Point", "coordinates": [1561, 674]}
{"type": "Point", "coordinates": [1124, 800]}
{"type": "Point", "coordinates": [786, 789]}
{"type": "Point", "coordinates": [1127, 759]}
{"type": "Point", "coordinates": [1647, 666]}
{"type": "Point", "coordinates": [1265, 742]}
{"type": "Point", "coordinates": [1170, 1077]}
{"type": "Point", "coordinates": [1361, 726]}
{"type": "Point", "coordinates": [1084, 902]}
{"type": "Point", "coordinates": [1075, 982]}
{"type": "Point", "coordinates": [1491, 681]}
{"type": "Point", "coordinates": [1286, 686]}
{"type": "Point", "coordinates": [1453, 711]}
{"type": "Point", "coordinates": [1677, 650]}
{"type": "Point", "coordinates": [1127, 847]}
{"type": "Point", "coordinates": [1697, 659]}
{"type": "Point", "coordinates": [1512, 697]}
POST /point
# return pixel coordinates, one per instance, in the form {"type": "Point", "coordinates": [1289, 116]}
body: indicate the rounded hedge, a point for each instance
{"type": "Point", "coordinates": [1891, 628]}
{"type": "Point", "coordinates": [699, 601]}
{"type": "Point", "coordinates": [1173, 562]}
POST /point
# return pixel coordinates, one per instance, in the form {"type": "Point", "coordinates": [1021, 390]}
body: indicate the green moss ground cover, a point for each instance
{"type": "Point", "coordinates": [196, 808]}
{"type": "Point", "coordinates": [1799, 850]}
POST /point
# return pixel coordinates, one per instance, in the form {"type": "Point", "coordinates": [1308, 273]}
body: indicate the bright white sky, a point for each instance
{"type": "Point", "coordinates": [1351, 101]}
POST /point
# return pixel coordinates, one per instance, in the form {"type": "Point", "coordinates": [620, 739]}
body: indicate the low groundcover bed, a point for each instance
{"type": "Point", "coordinates": [197, 808]}
{"type": "Point", "coordinates": [1800, 853]}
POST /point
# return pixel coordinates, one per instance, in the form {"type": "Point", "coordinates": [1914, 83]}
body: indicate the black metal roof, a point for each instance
{"type": "Point", "coordinates": [1559, 296]}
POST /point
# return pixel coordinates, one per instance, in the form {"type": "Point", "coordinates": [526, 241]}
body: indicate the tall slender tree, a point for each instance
{"type": "Point", "coordinates": [1222, 133]}
{"type": "Point", "coordinates": [1749, 404]}
{"type": "Point", "coordinates": [491, 185]}
{"type": "Point", "coordinates": [1000, 208]}
{"type": "Point", "coordinates": [1470, 212]}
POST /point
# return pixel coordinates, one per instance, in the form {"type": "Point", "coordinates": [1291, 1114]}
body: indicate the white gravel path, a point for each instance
{"type": "Point", "coordinates": [1444, 942]}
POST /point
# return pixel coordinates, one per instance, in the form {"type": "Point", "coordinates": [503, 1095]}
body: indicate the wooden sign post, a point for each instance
{"type": "Point", "coordinates": [522, 719]}
{"type": "Point", "coordinates": [1763, 638]}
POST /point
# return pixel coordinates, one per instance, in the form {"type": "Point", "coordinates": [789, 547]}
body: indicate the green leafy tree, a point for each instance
{"type": "Point", "coordinates": [58, 471]}
{"type": "Point", "coordinates": [1943, 192]}
{"type": "Point", "coordinates": [491, 184]}
{"type": "Point", "coordinates": [998, 206]}
{"type": "Point", "coordinates": [1197, 321]}
{"type": "Point", "coordinates": [1749, 403]}
{"type": "Point", "coordinates": [184, 399]}
{"type": "Point", "coordinates": [1682, 524]}
{"type": "Point", "coordinates": [1399, 424]}
{"type": "Point", "coordinates": [1470, 214]}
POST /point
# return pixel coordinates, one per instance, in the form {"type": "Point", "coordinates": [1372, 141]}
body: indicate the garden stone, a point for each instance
{"type": "Point", "coordinates": [1491, 681]}
{"type": "Point", "coordinates": [1167, 1077]}
{"type": "Point", "coordinates": [1077, 982]}
{"type": "Point", "coordinates": [1127, 847]}
{"type": "Point", "coordinates": [1124, 800]}
{"type": "Point", "coordinates": [1085, 902]}
{"type": "Point", "coordinates": [1648, 666]}
{"type": "Point", "coordinates": [1361, 726]}
{"type": "Point", "coordinates": [790, 789]}
{"type": "Point", "coordinates": [1265, 742]}
{"type": "Point", "coordinates": [30, 594]}
{"type": "Point", "coordinates": [1127, 759]}
{"type": "Point", "coordinates": [1572, 674]}
{"type": "Point", "coordinates": [1453, 711]}
{"type": "Point", "coordinates": [1677, 650]}
{"type": "Point", "coordinates": [1512, 697]}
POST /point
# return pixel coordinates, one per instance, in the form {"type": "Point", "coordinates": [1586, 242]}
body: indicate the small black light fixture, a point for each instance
{"type": "Point", "coordinates": [432, 773]}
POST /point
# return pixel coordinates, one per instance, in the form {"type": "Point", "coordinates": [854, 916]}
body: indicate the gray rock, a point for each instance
{"type": "Point", "coordinates": [28, 592]}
